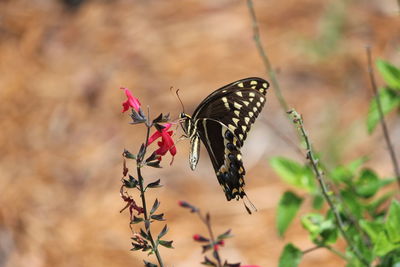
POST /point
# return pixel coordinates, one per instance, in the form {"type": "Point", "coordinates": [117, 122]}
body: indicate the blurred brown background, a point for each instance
{"type": "Point", "coordinates": [62, 132]}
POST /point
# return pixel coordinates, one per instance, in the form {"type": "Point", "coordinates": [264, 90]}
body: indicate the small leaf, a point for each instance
{"type": "Point", "coordinates": [155, 206]}
{"type": "Point", "coordinates": [163, 232]}
{"type": "Point", "coordinates": [136, 220]}
{"type": "Point", "coordinates": [368, 183]}
{"type": "Point", "coordinates": [131, 183]}
{"type": "Point", "coordinates": [318, 201]}
{"type": "Point", "coordinates": [390, 100]}
{"type": "Point", "coordinates": [142, 150]}
{"type": "Point", "coordinates": [137, 117]}
{"type": "Point", "coordinates": [290, 256]}
{"type": "Point", "coordinates": [154, 184]}
{"type": "Point", "coordinates": [287, 209]}
{"type": "Point", "coordinates": [345, 173]}
{"type": "Point", "coordinates": [144, 234]}
{"type": "Point", "coordinates": [293, 173]}
{"type": "Point", "coordinates": [392, 223]}
{"type": "Point", "coordinates": [372, 228]}
{"type": "Point", "coordinates": [136, 247]}
{"type": "Point", "coordinates": [158, 217]}
{"type": "Point", "coordinates": [322, 230]}
{"type": "Point", "coordinates": [373, 207]}
{"type": "Point", "coordinates": [383, 245]}
{"type": "Point", "coordinates": [352, 203]}
{"type": "Point", "coordinates": [208, 262]}
{"type": "Point", "coordinates": [225, 235]}
{"type": "Point", "coordinates": [149, 264]}
{"type": "Point", "coordinates": [167, 244]}
{"type": "Point", "coordinates": [128, 155]}
{"type": "Point", "coordinates": [390, 73]}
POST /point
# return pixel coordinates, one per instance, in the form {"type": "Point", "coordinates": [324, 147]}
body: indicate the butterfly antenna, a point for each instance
{"type": "Point", "coordinates": [251, 205]}
{"type": "Point", "coordinates": [180, 100]}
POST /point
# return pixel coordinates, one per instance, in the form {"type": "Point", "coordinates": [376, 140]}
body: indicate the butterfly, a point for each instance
{"type": "Point", "coordinates": [222, 122]}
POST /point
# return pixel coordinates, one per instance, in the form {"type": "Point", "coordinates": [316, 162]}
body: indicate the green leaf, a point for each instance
{"type": "Point", "coordinates": [383, 245]}
{"type": "Point", "coordinates": [225, 235]}
{"type": "Point", "coordinates": [372, 228]}
{"type": "Point", "coordinates": [389, 99]}
{"type": "Point", "coordinates": [318, 201]}
{"type": "Point", "coordinates": [294, 173]}
{"type": "Point", "coordinates": [392, 223]}
{"type": "Point", "coordinates": [158, 217]}
{"type": "Point", "coordinates": [287, 209]}
{"type": "Point", "coordinates": [290, 256]}
{"type": "Point", "coordinates": [136, 220]}
{"type": "Point", "coordinates": [368, 183]}
{"type": "Point", "coordinates": [321, 230]}
{"type": "Point", "coordinates": [154, 184]}
{"type": "Point", "coordinates": [167, 244]}
{"type": "Point", "coordinates": [155, 206]}
{"type": "Point", "coordinates": [373, 207]}
{"type": "Point", "coordinates": [347, 172]}
{"type": "Point", "coordinates": [352, 203]}
{"type": "Point", "coordinates": [390, 73]}
{"type": "Point", "coordinates": [149, 264]}
{"type": "Point", "coordinates": [163, 232]}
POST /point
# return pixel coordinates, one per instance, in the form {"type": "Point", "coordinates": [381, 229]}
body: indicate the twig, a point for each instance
{"type": "Point", "coordinates": [206, 221]}
{"type": "Point", "coordinates": [264, 57]}
{"type": "Point", "coordinates": [142, 194]}
{"type": "Point", "coordinates": [298, 120]}
{"type": "Point", "coordinates": [340, 254]}
{"type": "Point", "coordinates": [381, 116]}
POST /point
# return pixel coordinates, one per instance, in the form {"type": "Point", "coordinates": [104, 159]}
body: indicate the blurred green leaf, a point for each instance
{"type": "Point", "coordinates": [294, 173]}
{"type": "Point", "coordinates": [167, 244]}
{"type": "Point", "coordinates": [392, 223]}
{"type": "Point", "coordinates": [321, 230]}
{"type": "Point", "coordinates": [389, 98]}
{"type": "Point", "coordinates": [383, 244]}
{"type": "Point", "coordinates": [318, 201]}
{"type": "Point", "coordinates": [287, 209]}
{"type": "Point", "coordinates": [372, 228]}
{"type": "Point", "coordinates": [290, 256]}
{"type": "Point", "coordinates": [352, 203]}
{"type": "Point", "coordinates": [347, 172]}
{"type": "Point", "coordinates": [390, 73]}
{"type": "Point", "coordinates": [368, 183]}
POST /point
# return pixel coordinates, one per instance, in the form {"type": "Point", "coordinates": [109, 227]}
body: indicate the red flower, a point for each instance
{"type": "Point", "coordinates": [132, 101]}
{"type": "Point", "coordinates": [166, 144]}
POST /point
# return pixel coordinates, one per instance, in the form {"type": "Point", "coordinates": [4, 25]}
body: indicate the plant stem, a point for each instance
{"type": "Point", "coordinates": [264, 57]}
{"type": "Point", "coordinates": [298, 120]}
{"type": "Point", "coordinates": [208, 224]}
{"type": "Point", "coordinates": [381, 117]}
{"type": "Point", "coordinates": [142, 196]}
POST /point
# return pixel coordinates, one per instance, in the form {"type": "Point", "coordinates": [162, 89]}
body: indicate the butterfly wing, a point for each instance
{"type": "Point", "coordinates": [223, 120]}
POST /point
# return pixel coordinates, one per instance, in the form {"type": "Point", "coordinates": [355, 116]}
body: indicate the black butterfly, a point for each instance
{"type": "Point", "coordinates": [222, 122]}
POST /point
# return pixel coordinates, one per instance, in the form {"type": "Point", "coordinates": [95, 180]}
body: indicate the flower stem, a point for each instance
{"type": "Point", "coordinates": [142, 196]}
{"type": "Point", "coordinates": [298, 120]}
{"type": "Point", "coordinates": [382, 118]}
{"type": "Point", "coordinates": [206, 221]}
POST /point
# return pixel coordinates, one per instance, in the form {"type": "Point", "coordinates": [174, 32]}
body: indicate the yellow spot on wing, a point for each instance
{"type": "Point", "coordinates": [253, 82]}
{"type": "Point", "coordinates": [246, 103]}
{"type": "Point", "coordinates": [237, 113]}
{"type": "Point", "coordinates": [252, 94]}
{"type": "Point", "coordinates": [240, 84]}
{"type": "Point", "coordinates": [237, 105]}
{"type": "Point", "coordinates": [239, 93]}
{"type": "Point", "coordinates": [235, 120]}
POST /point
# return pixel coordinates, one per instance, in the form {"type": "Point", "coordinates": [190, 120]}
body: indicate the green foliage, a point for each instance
{"type": "Point", "coordinates": [287, 209]}
{"type": "Point", "coordinates": [294, 173]}
{"type": "Point", "coordinates": [389, 95]}
{"type": "Point", "coordinates": [390, 100]}
{"type": "Point", "coordinates": [290, 256]}
{"type": "Point", "coordinates": [390, 73]}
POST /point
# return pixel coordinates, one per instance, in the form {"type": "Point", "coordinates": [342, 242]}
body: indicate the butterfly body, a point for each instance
{"type": "Point", "coordinates": [221, 122]}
